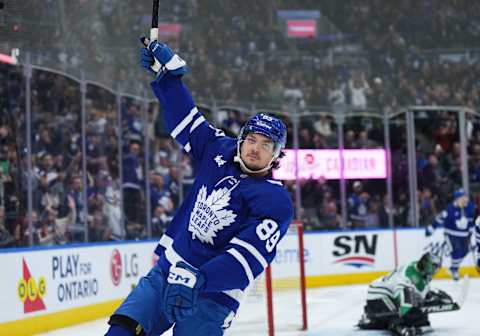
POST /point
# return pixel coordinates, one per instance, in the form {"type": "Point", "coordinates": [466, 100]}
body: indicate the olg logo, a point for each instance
{"type": "Point", "coordinates": [30, 291]}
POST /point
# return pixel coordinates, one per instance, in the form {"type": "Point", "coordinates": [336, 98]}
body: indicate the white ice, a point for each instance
{"type": "Point", "coordinates": [332, 311]}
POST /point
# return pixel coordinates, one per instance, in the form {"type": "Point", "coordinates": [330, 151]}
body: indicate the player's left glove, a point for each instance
{"type": "Point", "coordinates": [437, 297]}
{"type": "Point", "coordinates": [168, 60]}
{"type": "Point", "coordinates": [184, 283]}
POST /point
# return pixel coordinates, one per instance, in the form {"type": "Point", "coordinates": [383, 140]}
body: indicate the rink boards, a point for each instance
{"type": "Point", "coordinates": [49, 288]}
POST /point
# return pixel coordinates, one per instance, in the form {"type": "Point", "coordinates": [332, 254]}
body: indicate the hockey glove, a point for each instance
{"type": "Point", "coordinates": [477, 266]}
{"type": "Point", "coordinates": [184, 283]}
{"type": "Point", "coordinates": [164, 55]}
{"type": "Point", "coordinates": [147, 60]}
{"type": "Point", "coordinates": [437, 297]}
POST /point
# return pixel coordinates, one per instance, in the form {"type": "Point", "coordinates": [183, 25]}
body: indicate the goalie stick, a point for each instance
{"type": "Point", "coordinates": [438, 307]}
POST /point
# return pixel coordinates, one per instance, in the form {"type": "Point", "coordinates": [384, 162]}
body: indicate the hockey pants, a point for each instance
{"type": "Point", "coordinates": [143, 306]}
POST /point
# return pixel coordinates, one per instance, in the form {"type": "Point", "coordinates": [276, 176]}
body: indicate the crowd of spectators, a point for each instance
{"type": "Point", "coordinates": [387, 57]}
{"type": "Point", "coordinates": [68, 205]}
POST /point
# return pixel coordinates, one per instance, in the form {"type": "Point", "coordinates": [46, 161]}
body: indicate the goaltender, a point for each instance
{"type": "Point", "coordinates": [400, 301]}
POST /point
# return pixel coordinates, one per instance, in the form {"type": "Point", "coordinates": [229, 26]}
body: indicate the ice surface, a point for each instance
{"type": "Point", "coordinates": [333, 311]}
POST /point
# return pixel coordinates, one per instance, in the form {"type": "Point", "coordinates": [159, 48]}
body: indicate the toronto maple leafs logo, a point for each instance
{"type": "Point", "coordinates": [219, 160]}
{"type": "Point", "coordinates": [209, 215]}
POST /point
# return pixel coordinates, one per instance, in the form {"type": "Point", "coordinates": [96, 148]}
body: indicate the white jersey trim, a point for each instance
{"type": "Point", "coordinates": [170, 254]}
{"type": "Point", "coordinates": [276, 182]}
{"type": "Point", "coordinates": [253, 251]}
{"type": "Point", "coordinates": [187, 147]}
{"type": "Point", "coordinates": [236, 294]}
{"type": "Point", "coordinates": [457, 233]}
{"type": "Point", "coordinates": [197, 123]}
{"type": "Point", "coordinates": [237, 255]}
{"type": "Point", "coordinates": [184, 123]}
{"type": "Point", "coordinates": [166, 241]}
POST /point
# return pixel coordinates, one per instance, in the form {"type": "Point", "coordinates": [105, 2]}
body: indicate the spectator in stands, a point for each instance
{"type": "Point", "coordinates": [6, 238]}
{"type": "Point", "coordinates": [359, 89]}
{"type": "Point", "coordinates": [363, 141]}
{"type": "Point", "coordinates": [112, 210]}
{"type": "Point", "coordinates": [160, 221]}
{"type": "Point", "coordinates": [132, 190]}
{"type": "Point", "coordinates": [76, 194]}
{"type": "Point", "coordinates": [427, 207]}
{"type": "Point", "coordinates": [358, 205]}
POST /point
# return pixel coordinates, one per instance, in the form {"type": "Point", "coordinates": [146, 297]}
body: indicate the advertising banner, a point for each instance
{"type": "Point", "coordinates": [316, 163]}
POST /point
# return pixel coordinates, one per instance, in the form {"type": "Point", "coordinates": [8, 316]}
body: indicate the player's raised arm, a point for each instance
{"type": "Point", "coordinates": [183, 120]}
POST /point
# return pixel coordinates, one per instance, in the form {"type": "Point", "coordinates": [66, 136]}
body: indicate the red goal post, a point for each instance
{"type": "Point", "coordinates": [277, 301]}
{"type": "Point", "coordinates": [295, 228]}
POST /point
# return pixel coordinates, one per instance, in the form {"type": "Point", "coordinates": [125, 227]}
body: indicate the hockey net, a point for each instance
{"type": "Point", "coordinates": [276, 301]}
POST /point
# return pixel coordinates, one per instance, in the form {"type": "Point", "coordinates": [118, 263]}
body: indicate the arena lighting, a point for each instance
{"type": "Point", "coordinates": [317, 163]}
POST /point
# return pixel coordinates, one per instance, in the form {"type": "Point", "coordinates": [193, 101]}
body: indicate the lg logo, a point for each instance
{"type": "Point", "coordinates": [116, 267]}
{"type": "Point", "coordinates": [126, 265]}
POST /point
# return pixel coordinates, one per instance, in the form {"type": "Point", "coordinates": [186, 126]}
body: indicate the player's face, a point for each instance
{"type": "Point", "coordinates": [256, 151]}
{"type": "Point", "coordinates": [462, 201]}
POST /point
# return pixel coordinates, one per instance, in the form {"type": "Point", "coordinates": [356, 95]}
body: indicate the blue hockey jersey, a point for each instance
{"type": "Point", "coordinates": [477, 238]}
{"type": "Point", "coordinates": [230, 223]}
{"type": "Point", "coordinates": [458, 222]}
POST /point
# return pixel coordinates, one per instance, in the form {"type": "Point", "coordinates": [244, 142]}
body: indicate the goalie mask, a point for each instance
{"type": "Point", "coordinates": [266, 125]}
{"type": "Point", "coordinates": [428, 265]}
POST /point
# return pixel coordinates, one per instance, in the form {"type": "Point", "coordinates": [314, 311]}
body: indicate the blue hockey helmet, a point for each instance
{"type": "Point", "coordinates": [459, 193]}
{"type": "Point", "coordinates": [269, 126]}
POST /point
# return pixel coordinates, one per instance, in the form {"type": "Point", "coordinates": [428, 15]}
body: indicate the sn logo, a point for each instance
{"type": "Point", "coordinates": [356, 244]}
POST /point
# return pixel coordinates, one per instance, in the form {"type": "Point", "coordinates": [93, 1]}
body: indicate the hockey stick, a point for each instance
{"type": "Point", "coordinates": [434, 307]}
{"type": "Point", "coordinates": [426, 309]}
{"type": "Point", "coordinates": [154, 33]}
{"type": "Point", "coordinates": [463, 293]}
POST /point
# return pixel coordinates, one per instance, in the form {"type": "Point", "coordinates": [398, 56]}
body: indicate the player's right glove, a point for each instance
{"type": "Point", "coordinates": [184, 283]}
{"type": "Point", "coordinates": [429, 230]}
{"type": "Point", "coordinates": [169, 61]}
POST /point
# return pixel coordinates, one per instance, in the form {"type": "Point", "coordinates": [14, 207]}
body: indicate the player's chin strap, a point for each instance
{"type": "Point", "coordinates": [238, 159]}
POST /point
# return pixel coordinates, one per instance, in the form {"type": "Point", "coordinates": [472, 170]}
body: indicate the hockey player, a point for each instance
{"type": "Point", "coordinates": [394, 301]}
{"type": "Point", "coordinates": [457, 222]}
{"type": "Point", "coordinates": [477, 241]}
{"type": "Point", "coordinates": [225, 233]}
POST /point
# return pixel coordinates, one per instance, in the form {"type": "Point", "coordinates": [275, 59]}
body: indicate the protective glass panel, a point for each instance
{"type": "Point", "coordinates": [319, 178]}
{"type": "Point", "coordinates": [13, 160]}
{"type": "Point", "coordinates": [58, 192]}
{"type": "Point", "coordinates": [365, 170]}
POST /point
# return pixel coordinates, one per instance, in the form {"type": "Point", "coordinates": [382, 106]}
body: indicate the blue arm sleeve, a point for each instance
{"type": "Point", "coordinates": [183, 120]}
{"type": "Point", "coordinates": [477, 236]}
{"type": "Point", "coordinates": [253, 248]}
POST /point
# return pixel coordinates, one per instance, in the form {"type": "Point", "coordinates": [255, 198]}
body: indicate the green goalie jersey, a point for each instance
{"type": "Point", "coordinates": [401, 289]}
